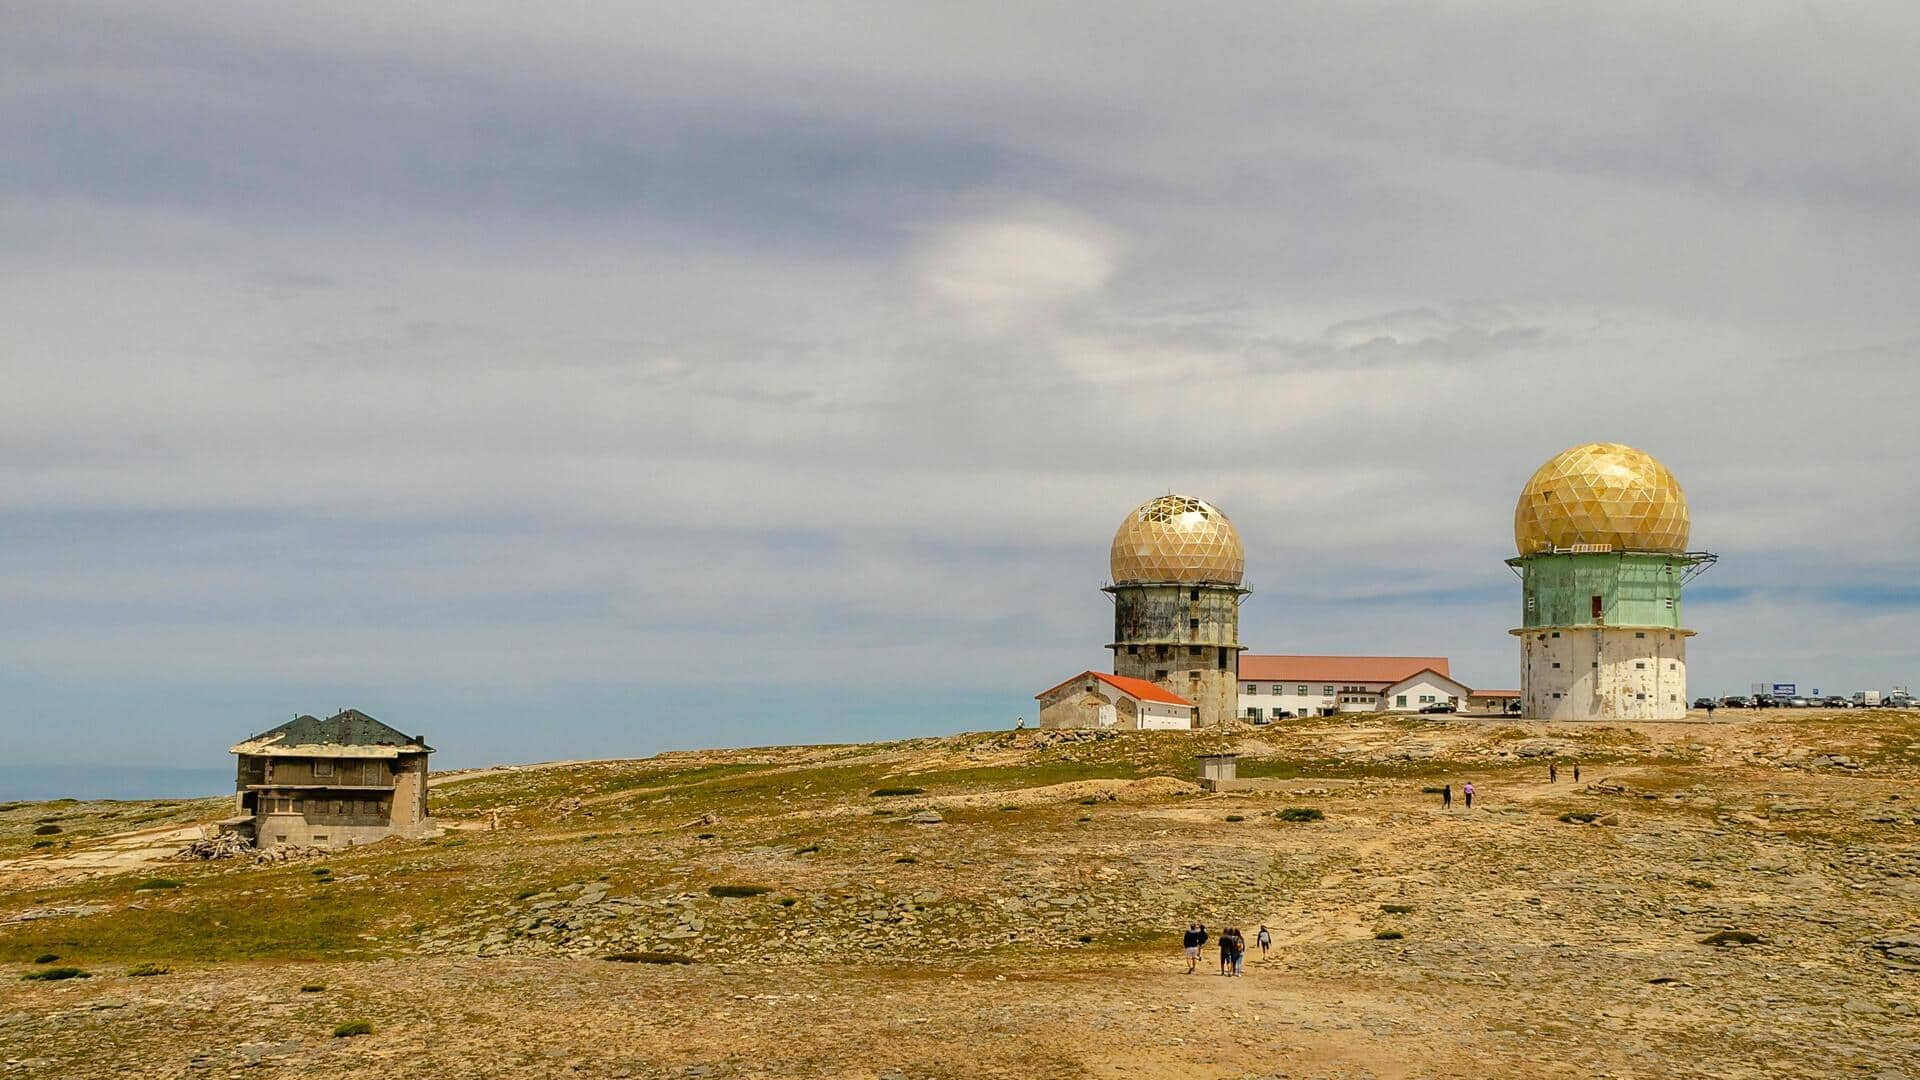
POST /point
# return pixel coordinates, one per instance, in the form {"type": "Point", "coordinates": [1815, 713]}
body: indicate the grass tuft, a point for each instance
{"type": "Point", "coordinates": [351, 1028]}
{"type": "Point", "coordinates": [144, 971]}
{"type": "Point", "coordinates": [322, 871]}
{"type": "Point", "coordinates": [888, 792]}
{"type": "Point", "coordinates": [46, 958]}
{"type": "Point", "coordinates": [1387, 935]}
{"type": "Point", "coordinates": [737, 891]}
{"type": "Point", "coordinates": [907, 859]}
{"type": "Point", "coordinates": [58, 974]}
{"type": "Point", "coordinates": [1235, 817]}
{"type": "Point", "coordinates": [1698, 883]}
{"type": "Point", "coordinates": [648, 958]}
{"type": "Point", "coordinates": [788, 901]}
{"type": "Point", "coordinates": [1302, 813]}
{"type": "Point", "coordinates": [153, 883]}
{"type": "Point", "coordinates": [1396, 909]}
{"type": "Point", "coordinates": [46, 830]}
{"type": "Point", "coordinates": [313, 988]}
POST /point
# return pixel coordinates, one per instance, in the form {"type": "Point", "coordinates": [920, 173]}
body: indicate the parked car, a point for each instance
{"type": "Point", "coordinates": [1734, 701]}
{"type": "Point", "coordinates": [1705, 703]}
{"type": "Point", "coordinates": [1438, 707]}
{"type": "Point", "coordinates": [1836, 702]}
{"type": "Point", "coordinates": [1799, 703]}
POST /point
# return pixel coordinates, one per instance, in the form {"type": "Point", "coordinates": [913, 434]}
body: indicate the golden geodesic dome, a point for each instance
{"type": "Point", "coordinates": [1177, 538]}
{"type": "Point", "coordinates": [1602, 494]}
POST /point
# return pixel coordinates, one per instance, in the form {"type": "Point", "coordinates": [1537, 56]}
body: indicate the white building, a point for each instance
{"type": "Point", "coordinates": [1095, 699]}
{"type": "Point", "coordinates": [1287, 687]}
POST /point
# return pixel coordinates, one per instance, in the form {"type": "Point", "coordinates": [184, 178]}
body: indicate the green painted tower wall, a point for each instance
{"type": "Point", "coordinates": [1635, 589]}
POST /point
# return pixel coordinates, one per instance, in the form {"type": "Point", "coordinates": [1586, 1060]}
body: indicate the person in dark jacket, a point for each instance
{"type": "Point", "coordinates": [1196, 937]}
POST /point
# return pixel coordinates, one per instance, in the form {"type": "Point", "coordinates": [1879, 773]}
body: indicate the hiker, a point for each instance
{"type": "Point", "coordinates": [1446, 797]}
{"type": "Point", "coordinates": [1553, 774]}
{"type": "Point", "coordinates": [1196, 937]}
{"type": "Point", "coordinates": [1239, 949]}
{"type": "Point", "coordinates": [1226, 948]}
{"type": "Point", "coordinates": [1576, 774]}
{"type": "Point", "coordinates": [1709, 708]}
{"type": "Point", "coordinates": [1467, 790]}
{"type": "Point", "coordinates": [1264, 939]}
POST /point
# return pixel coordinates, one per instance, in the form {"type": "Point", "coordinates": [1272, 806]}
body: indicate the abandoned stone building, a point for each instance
{"type": "Point", "coordinates": [345, 780]}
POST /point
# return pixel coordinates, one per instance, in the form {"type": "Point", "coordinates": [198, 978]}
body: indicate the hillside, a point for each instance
{"type": "Point", "coordinates": [1009, 904]}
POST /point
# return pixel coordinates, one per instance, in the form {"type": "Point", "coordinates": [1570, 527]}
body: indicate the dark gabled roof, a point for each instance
{"type": "Point", "coordinates": [351, 728]}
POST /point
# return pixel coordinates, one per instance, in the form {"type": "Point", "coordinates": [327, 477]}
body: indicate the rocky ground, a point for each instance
{"type": "Point", "coordinates": [1008, 905]}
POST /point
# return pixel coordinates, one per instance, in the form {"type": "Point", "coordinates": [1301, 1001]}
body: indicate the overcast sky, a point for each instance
{"type": "Point", "coordinates": [561, 381]}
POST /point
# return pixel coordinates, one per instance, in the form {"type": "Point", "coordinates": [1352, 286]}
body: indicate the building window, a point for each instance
{"type": "Point", "coordinates": [1556, 663]}
{"type": "Point", "coordinates": [1400, 702]}
{"type": "Point", "coordinates": [1133, 650]}
{"type": "Point", "coordinates": [1673, 667]}
{"type": "Point", "coordinates": [1253, 714]}
{"type": "Point", "coordinates": [1160, 674]}
{"type": "Point", "coordinates": [1327, 690]}
{"type": "Point", "coordinates": [1640, 633]}
{"type": "Point", "coordinates": [1193, 624]}
{"type": "Point", "coordinates": [1193, 650]}
{"type": "Point", "coordinates": [1426, 699]}
{"type": "Point", "coordinates": [322, 769]}
{"type": "Point", "coordinates": [1669, 603]}
{"type": "Point", "coordinates": [1640, 697]}
{"type": "Point", "coordinates": [1303, 691]}
{"type": "Point", "coordinates": [1159, 652]}
{"type": "Point", "coordinates": [1673, 697]}
{"type": "Point", "coordinates": [1556, 633]}
{"type": "Point", "coordinates": [1639, 665]}
{"type": "Point", "coordinates": [1530, 604]}
{"type": "Point", "coordinates": [1556, 693]}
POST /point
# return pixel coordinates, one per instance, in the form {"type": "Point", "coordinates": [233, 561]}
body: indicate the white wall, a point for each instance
{"type": "Point", "coordinates": [1263, 698]}
{"type": "Point", "coordinates": [1604, 674]}
{"type": "Point", "coordinates": [1428, 689]}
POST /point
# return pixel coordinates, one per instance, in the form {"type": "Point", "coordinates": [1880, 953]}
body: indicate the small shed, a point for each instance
{"type": "Point", "coordinates": [1218, 771]}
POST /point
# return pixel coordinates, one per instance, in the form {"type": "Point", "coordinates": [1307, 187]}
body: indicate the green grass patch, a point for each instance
{"type": "Point", "coordinates": [1302, 813]}
{"type": "Point", "coordinates": [46, 958]}
{"type": "Point", "coordinates": [154, 883]}
{"type": "Point", "coordinates": [58, 974]}
{"type": "Point", "coordinates": [146, 971]}
{"type": "Point", "coordinates": [352, 1028]}
{"type": "Point", "coordinates": [1236, 817]}
{"type": "Point", "coordinates": [321, 871]}
{"type": "Point", "coordinates": [890, 792]}
{"type": "Point", "coordinates": [788, 901]}
{"type": "Point", "coordinates": [648, 958]}
{"type": "Point", "coordinates": [47, 830]}
{"type": "Point", "coordinates": [737, 891]}
{"type": "Point", "coordinates": [38, 844]}
{"type": "Point", "coordinates": [1387, 935]}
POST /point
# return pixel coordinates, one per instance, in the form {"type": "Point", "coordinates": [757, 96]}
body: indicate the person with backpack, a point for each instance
{"type": "Point", "coordinates": [1446, 797]}
{"type": "Point", "coordinates": [1264, 939]}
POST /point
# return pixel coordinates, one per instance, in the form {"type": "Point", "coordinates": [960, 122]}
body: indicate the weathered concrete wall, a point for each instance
{"type": "Point", "coordinates": [1610, 673]}
{"type": "Point", "coordinates": [1185, 638]}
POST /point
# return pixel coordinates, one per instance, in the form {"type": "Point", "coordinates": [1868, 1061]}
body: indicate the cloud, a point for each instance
{"type": "Point", "coordinates": [421, 349]}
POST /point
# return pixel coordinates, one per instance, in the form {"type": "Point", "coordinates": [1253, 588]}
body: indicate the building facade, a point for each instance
{"type": "Point", "coordinates": [345, 780]}
{"type": "Point", "coordinates": [1602, 532]}
{"type": "Point", "coordinates": [1177, 566]}
{"type": "Point", "coordinates": [1095, 699]}
{"type": "Point", "coordinates": [1276, 687]}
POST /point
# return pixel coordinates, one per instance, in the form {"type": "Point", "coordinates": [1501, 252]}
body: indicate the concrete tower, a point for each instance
{"type": "Point", "coordinates": [1177, 564]}
{"type": "Point", "coordinates": [1602, 533]}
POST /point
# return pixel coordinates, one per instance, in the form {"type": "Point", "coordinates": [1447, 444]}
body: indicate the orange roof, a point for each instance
{"type": "Point", "coordinates": [1496, 693]}
{"type": "Point", "coordinates": [1138, 689]}
{"type": "Point", "coordinates": [1338, 669]}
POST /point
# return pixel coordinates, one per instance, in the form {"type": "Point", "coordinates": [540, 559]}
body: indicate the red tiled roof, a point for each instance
{"type": "Point", "coordinates": [1139, 689]}
{"type": "Point", "coordinates": [1337, 669]}
{"type": "Point", "coordinates": [1496, 693]}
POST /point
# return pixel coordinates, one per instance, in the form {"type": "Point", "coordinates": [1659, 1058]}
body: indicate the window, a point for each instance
{"type": "Point", "coordinates": [1639, 665]}
{"type": "Point", "coordinates": [1249, 688]}
{"type": "Point", "coordinates": [1556, 663]}
{"type": "Point", "coordinates": [1303, 691]}
{"type": "Point", "coordinates": [1640, 697]}
{"type": "Point", "coordinates": [1159, 652]}
{"type": "Point", "coordinates": [1599, 606]}
{"type": "Point", "coordinates": [1669, 603]}
{"type": "Point", "coordinates": [1640, 633]}
{"type": "Point", "coordinates": [1543, 637]}
{"type": "Point", "coordinates": [1673, 667]}
{"type": "Point", "coordinates": [1530, 603]}
{"type": "Point", "coordinates": [1400, 702]}
{"type": "Point", "coordinates": [1673, 697]}
{"type": "Point", "coordinates": [1193, 594]}
{"type": "Point", "coordinates": [1193, 650]}
{"type": "Point", "coordinates": [1556, 633]}
{"type": "Point", "coordinates": [1556, 694]}
{"type": "Point", "coordinates": [1224, 654]}
{"type": "Point", "coordinates": [1327, 690]}
{"type": "Point", "coordinates": [1160, 674]}
{"type": "Point", "coordinates": [1426, 699]}
{"type": "Point", "coordinates": [1253, 713]}
{"type": "Point", "coordinates": [322, 769]}
{"type": "Point", "coordinates": [1193, 624]}
{"type": "Point", "coordinates": [1133, 650]}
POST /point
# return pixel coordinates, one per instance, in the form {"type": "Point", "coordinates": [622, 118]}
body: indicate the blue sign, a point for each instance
{"type": "Point", "coordinates": [1784, 689]}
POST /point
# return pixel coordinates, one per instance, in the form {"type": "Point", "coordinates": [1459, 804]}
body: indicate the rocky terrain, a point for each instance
{"type": "Point", "coordinates": [1731, 899]}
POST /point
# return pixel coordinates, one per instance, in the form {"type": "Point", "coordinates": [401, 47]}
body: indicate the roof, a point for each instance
{"type": "Point", "coordinates": [1448, 679]}
{"type": "Point", "coordinates": [1138, 689]}
{"type": "Point", "coordinates": [1496, 693]}
{"type": "Point", "coordinates": [347, 734]}
{"type": "Point", "coordinates": [1338, 669]}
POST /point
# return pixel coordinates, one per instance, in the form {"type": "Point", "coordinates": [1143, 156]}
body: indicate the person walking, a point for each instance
{"type": "Point", "coordinates": [1196, 937]}
{"type": "Point", "coordinates": [1709, 708]}
{"type": "Point", "coordinates": [1576, 774]}
{"type": "Point", "coordinates": [1226, 950]}
{"type": "Point", "coordinates": [1467, 790]}
{"type": "Point", "coordinates": [1446, 797]}
{"type": "Point", "coordinates": [1264, 939]}
{"type": "Point", "coordinates": [1239, 949]}
{"type": "Point", "coordinates": [1553, 774]}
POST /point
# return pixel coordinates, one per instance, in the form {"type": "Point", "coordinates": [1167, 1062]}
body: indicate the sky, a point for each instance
{"type": "Point", "coordinates": [564, 380]}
